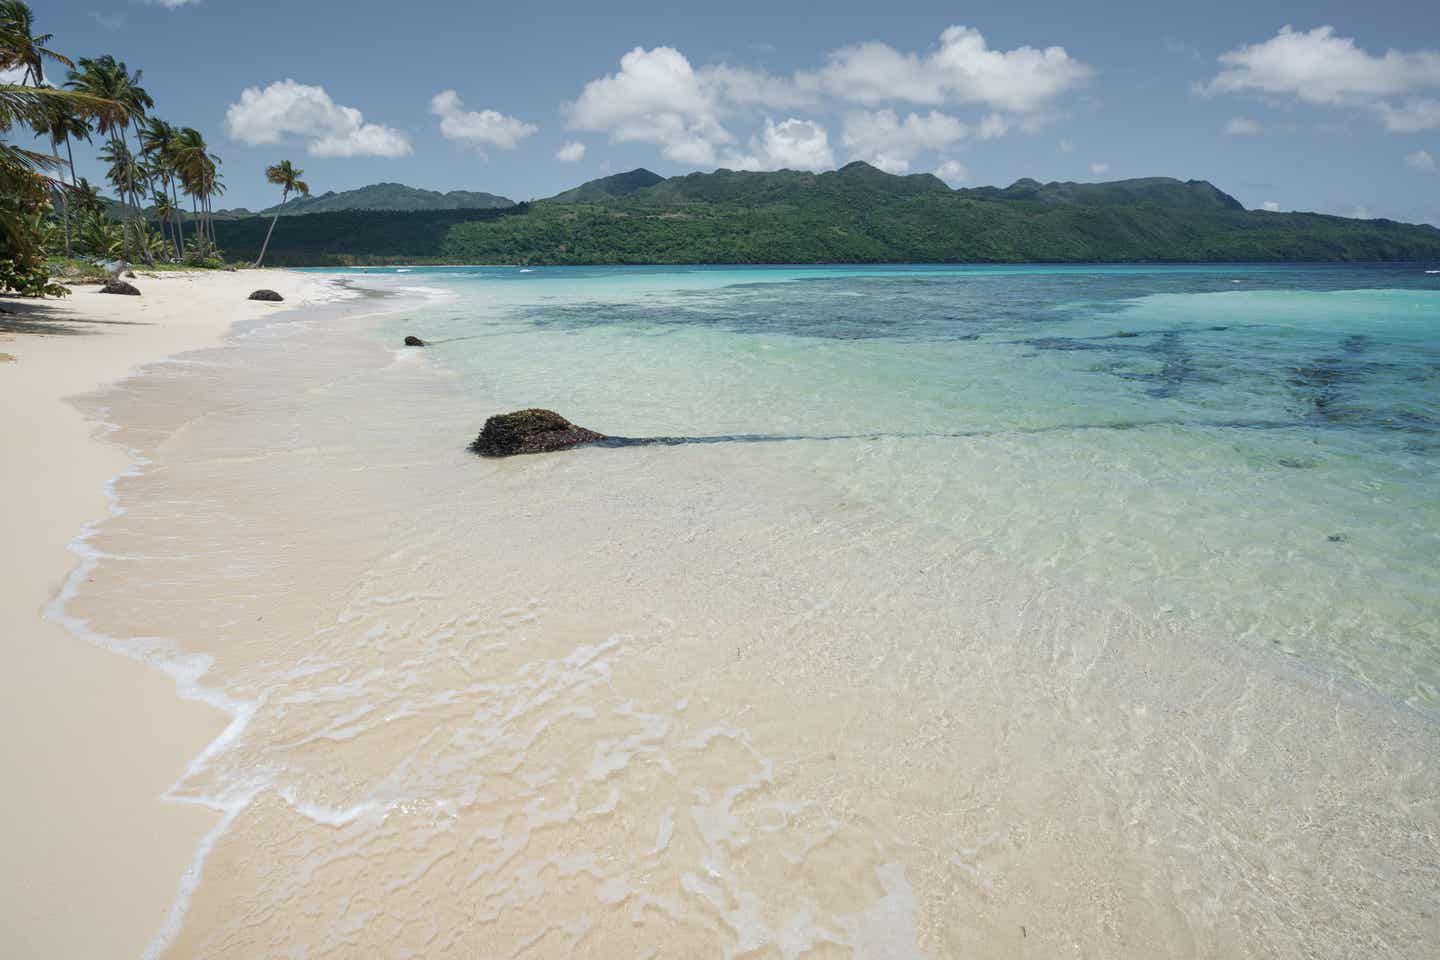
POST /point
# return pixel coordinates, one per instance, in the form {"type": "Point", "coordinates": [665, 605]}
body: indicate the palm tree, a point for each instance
{"type": "Point", "coordinates": [159, 141]}
{"type": "Point", "coordinates": [19, 48]}
{"type": "Point", "coordinates": [87, 197]}
{"type": "Point", "coordinates": [166, 211]}
{"type": "Point", "coordinates": [196, 167]}
{"type": "Point", "coordinates": [62, 122]}
{"type": "Point", "coordinates": [125, 173]}
{"type": "Point", "coordinates": [285, 176]}
{"type": "Point", "coordinates": [109, 79]}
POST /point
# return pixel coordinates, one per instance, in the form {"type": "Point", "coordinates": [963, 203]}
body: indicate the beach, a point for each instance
{"type": "Point", "coordinates": [92, 854]}
{"type": "Point", "coordinates": [1002, 611]}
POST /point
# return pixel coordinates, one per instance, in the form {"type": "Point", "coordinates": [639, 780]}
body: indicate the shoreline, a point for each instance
{"type": "Point", "coordinates": [87, 726]}
{"type": "Point", "coordinates": [336, 791]}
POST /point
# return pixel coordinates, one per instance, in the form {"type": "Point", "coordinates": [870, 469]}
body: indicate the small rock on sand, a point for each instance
{"type": "Point", "coordinates": [265, 295]}
{"type": "Point", "coordinates": [120, 286]}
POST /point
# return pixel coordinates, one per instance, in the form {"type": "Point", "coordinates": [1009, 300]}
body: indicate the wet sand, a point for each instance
{"type": "Point", "coordinates": [91, 854]}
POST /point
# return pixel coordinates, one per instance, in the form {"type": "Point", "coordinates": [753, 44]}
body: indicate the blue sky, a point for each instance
{"type": "Point", "coordinates": [528, 99]}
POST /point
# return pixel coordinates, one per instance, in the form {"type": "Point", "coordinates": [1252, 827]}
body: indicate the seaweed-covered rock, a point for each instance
{"type": "Point", "coordinates": [265, 295]}
{"type": "Point", "coordinates": [530, 431]}
{"type": "Point", "coordinates": [120, 286]}
{"type": "Point", "coordinates": [413, 341]}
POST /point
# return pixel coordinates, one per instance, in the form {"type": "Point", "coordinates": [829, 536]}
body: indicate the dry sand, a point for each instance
{"type": "Point", "coordinates": [90, 855]}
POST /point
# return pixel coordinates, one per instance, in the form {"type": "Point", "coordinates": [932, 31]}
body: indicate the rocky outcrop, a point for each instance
{"type": "Point", "coordinates": [120, 286]}
{"type": "Point", "coordinates": [530, 431]}
{"type": "Point", "coordinates": [413, 341]}
{"type": "Point", "coordinates": [265, 295]}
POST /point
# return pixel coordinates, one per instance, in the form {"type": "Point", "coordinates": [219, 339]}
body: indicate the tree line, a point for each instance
{"type": "Point", "coordinates": [156, 168]}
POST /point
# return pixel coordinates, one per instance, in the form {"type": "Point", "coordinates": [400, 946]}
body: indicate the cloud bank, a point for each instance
{"type": "Point", "coordinates": [657, 96]}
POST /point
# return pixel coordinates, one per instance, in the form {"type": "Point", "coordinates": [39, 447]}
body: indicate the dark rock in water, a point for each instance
{"type": "Point", "coordinates": [414, 342]}
{"type": "Point", "coordinates": [1337, 538]}
{"type": "Point", "coordinates": [530, 431]}
{"type": "Point", "coordinates": [265, 295]}
{"type": "Point", "coordinates": [120, 286]}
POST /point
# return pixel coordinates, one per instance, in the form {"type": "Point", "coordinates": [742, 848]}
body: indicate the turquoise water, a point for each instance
{"type": "Point", "coordinates": [1250, 450]}
{"type": "Point", "coordinates": [1016, 611]}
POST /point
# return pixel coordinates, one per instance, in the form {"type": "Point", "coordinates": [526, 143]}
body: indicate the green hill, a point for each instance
{"type": "Point", "coordinates": [852, 215]}
{"type": "Point", "coordinates": [391, 196]}
{"type": "Point", "coordinates": [1162, 191]}
{"type": "Point", "coordinates": [609, 188]}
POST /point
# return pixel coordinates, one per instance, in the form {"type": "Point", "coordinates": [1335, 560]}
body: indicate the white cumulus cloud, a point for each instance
{"type": "Point", "coordinates": [891, 143]}
{"type": "Point", "coordinates": [952, 171]}
{"type": "Point", "coordinates": [797, 145]}
{"type": "Point", "coordinates": [1099, 168]}
{"type": "Point", "coordinates": [1242, 127]}
{"type": "Point", "coordinates": [1320, 68]}
{"type": "Point", "coordinates": [288, 109]}
{"type": "Point", "coordinates": [656, 97]}
{"type": "Point", "coordinates": [1421, 160]}
{"type": "Point", "coordinates": [1066, 146]}
{"type": "Point", "coordinates": [1271, 206]}
{"type": "Point", "coordinates": [477, 128]}
{"type": "Point", "coordinates": [170, 4]}
{"type": "Point", "coordinates": [571, 152]}
{"type": "Point", "coordinates": [963, 69]}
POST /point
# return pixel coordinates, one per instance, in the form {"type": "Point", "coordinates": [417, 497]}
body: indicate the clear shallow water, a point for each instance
{"type": "Point", "coordinates": [991, 634]}
{"type": "Point", "coordinates": [1255, 449]}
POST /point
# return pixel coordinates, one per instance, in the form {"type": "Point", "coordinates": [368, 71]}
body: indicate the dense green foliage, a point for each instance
{"type": "Point", "coordinates": [391, 196]}
{"type": "Point", "coordinates": [610, 188]}
{"type": "Point", "coordinates": [855, 214]}
{"type": "Point", "coordinates": [351, 237]}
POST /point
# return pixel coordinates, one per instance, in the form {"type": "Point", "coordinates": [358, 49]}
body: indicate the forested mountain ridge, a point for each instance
{"type": "Point", "coordinates": [855, 214]}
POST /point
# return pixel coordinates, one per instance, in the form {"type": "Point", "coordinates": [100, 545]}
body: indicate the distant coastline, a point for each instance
{"type": "Point", "coordinates": [855, 215]}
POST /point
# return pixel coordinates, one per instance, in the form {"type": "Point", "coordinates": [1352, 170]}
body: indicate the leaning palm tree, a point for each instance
{"type": "Point", "coordinates": [159, 142]}
{"type": "Point", "coordinates": [27, 181]}
{"type": "Point", "coordinates": [124, 171]}
{"type": "Point", "coordinates": [110, 80]}
{"type": "Point", "coordinates": [20, 48]}
{"type": "Point", "coordinates": [285, 176]}
{"type": "Point", "coordinates": [166, 212]}
{"type": "Point", "coordinates": [196, 167]}
{"type": "Point", "coordinates": [87, 197]}
{"type": "Point", "coordinates": [62, 122]}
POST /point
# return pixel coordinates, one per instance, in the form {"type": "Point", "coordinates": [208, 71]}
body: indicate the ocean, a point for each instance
{"type": "Point", "coordinates": [993, 611]}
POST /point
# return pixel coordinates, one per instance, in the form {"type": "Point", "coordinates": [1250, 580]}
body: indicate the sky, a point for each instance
{"type": "Point", "coordinates": [1333, 107]}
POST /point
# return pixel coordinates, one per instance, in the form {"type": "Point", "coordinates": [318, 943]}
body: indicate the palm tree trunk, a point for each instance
{"type": "Point", "coordinates": [124, 220]}
{"type": "Point", "coordinates": [179, 222]}
{"type": "Point", "coordinates": [284, 195]}
{"type": "Point", "coordinates": [139, 213]}
{"type": "Point", "coordinates": [69, 156]}
{"type": "Point", "coordinates": [64, 200]}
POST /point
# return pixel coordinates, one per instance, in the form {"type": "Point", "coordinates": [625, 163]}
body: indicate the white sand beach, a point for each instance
{"type": "Point", "coordinates": [92, 854]}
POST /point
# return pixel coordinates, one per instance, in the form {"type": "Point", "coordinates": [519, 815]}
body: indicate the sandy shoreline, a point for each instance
{"type": "Point", "coordinates": [92, 854]}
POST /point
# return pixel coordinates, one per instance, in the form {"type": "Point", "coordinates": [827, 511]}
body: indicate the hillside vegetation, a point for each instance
{"type": "Point", "coordinates": [391, 196]}
{"type": "Point", "coordinates": [855, 214]}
